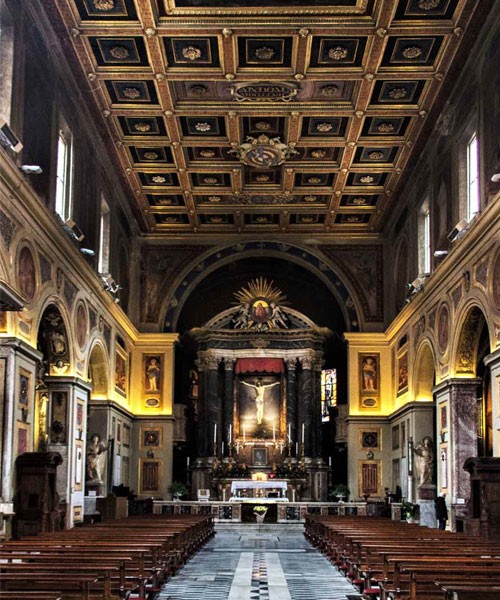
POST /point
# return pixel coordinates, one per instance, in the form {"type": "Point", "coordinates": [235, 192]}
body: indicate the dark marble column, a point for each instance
{"type": "Point", "coordinates": [307, 395]}
{"type": "Point", "coordinates": [213, 406]}
{"type": "Point", "coordinates": [316, 408]}
{"type": "Point", "coordinates": [228, 406]}
{"type": "Point", "coordinates": [201, 433]}
{"type": "Point", "coordinates": [461, 397]}
{"type": "Point", "coordinates": [291, 399]}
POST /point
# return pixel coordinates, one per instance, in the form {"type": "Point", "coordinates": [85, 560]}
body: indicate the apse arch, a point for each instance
{"type": "Point", "coordinates": [98, 371]}
{"type": "Point", "coordinates": [424, 372]}
{"type": "Point", "coordinates": [320, 266]}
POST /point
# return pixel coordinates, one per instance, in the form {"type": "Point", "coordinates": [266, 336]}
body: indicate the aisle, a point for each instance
{"type": "Point", "coordinates": [251, 564]}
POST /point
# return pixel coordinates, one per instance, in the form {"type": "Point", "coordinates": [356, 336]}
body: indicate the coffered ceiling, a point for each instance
{"type": "Point", "coordinates": [347, 84]}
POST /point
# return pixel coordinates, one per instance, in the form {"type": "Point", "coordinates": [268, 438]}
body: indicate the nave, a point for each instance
{"type": "Point", "coordinates": [253, 562]}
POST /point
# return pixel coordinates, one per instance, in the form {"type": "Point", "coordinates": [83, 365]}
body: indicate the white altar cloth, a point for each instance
{"type": "Point", "coordinates": [258, 485]}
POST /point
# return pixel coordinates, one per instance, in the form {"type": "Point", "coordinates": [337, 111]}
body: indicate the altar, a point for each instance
{"type": "Point", "coordinates": [270, 491]}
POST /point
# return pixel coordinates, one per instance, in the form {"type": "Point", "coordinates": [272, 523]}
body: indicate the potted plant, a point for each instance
{"type": "Point", "coordinates": [178, 489]}
{"type": "Point", "coordinates": [410, 512]}
{"type": "Point", "coordinates": [260, 513]}
{"type": "Point", "coordinates": [341, 491]}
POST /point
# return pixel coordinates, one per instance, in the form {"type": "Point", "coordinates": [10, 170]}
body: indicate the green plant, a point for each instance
{"type": "Point", "coordinates": [409, 510]}
{"type": "Point", "coordinates": [340, 490]}
{"type": "Point", "coordinates": [178, 488]}
{"type": "Point", "coordinates": [260, 509]}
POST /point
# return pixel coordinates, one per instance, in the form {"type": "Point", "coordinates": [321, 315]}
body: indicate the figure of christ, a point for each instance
{"type": "Point", "coordinates": [260, 390]}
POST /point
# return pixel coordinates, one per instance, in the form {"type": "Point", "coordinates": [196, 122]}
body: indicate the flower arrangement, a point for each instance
{"type": "Point", "coordinates": [178, 489]}
{"type": "Point", "coordinates": [260, 509]}
{"type": "Point", "coordinates": [409, 510]}
{"type": "Point", "coordinates": [340, 490]}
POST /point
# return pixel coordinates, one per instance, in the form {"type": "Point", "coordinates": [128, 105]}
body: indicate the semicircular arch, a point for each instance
{"type": "Point", "coordinates": [424, 371]}
{"type": "Point", "coordinates": [470, 322]}
{"type": "Point", "coordinates": [98, 368]}
{"type": "Point", "coordinates": [317, 264]}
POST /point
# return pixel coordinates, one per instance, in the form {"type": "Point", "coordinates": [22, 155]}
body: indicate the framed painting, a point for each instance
{"type": "Point", "coordinates": [403, 373]}
{"type": "Point", "coordinates": [259, 406]}
{"type": "Point", "coordinates": [78, 465]}
{"type": "Point", "coordinates": [259, 456]}
{"type": "Point", "coordinates": [152, 373]}
{"type": "Point", "coordinates": [121, 371]}
{"type": "Point", "coordinates": [395, 437]}
{"type": "Point", "coordinates": [23, 437]}
{"type": "Point", "coordinates": [151, 438]}
{"type": "Point", "coordinates": [370, 439]}
{"type": "Point", "coordinates": [24, 388]}
{"type": "Point", "coordinates": [369, 373]}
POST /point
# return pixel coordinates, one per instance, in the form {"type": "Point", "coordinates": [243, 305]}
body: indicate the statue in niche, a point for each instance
{"type": "Point", "coordinates": [96, 459]}
{"type": "Point", "coordinates": [424, 463]}
{"type": "Point", "coordinates": [260, 390]}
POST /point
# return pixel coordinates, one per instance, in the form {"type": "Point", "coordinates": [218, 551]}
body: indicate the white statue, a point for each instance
{"type": "Point", "coordinates": [96, 458]}
{"type": "Point", "coordinates": [424, 463]}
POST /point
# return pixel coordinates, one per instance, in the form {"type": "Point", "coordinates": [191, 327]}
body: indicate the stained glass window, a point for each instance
{"type": "Point", "coordinates": [328, 392]}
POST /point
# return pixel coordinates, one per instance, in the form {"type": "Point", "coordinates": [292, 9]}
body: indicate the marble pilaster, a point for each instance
{"type": "Point", "coordinates": [461, 396]}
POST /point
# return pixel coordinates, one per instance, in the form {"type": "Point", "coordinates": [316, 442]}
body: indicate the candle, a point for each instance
{"type": "Point", "coordinates": [187, 462]}
{"type": "Point", "coordinates": [230, 434]}
{"type": "Point", "coordinates": [289, 433]}
{"type": "Point", "coordinates": [222, 448]}
{"type": "Point", "coordinates": [329, 461]}
{"type": "Point", "coordinates": [215, 433]}
{"type": "Point", "coordinates": [274, 432]}
{"type": "Point", "coordinates": [244, 434]}
{"type": "Point", "coordinates": [303, 432]}
{"type": "Point", "coordinates": [297, 448]}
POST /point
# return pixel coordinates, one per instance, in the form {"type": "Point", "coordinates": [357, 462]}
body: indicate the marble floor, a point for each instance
{"type": "Point", "coordinates": [254, 563]}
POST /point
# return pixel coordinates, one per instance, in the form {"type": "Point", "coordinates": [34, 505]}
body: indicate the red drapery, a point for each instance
{"type": "Point", "coordinates": [260, 365]}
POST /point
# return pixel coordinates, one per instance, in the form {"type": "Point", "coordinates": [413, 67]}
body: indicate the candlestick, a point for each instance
{"type": "Point", "coordinates": [230, 434]}
{"type": "Point", "coordinates": [215, 433]}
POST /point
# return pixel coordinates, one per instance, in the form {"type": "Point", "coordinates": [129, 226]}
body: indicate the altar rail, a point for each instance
{"type": "Point", "coordinates": [230, 512]}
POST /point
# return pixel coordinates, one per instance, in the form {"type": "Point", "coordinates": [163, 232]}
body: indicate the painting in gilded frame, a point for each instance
{"type": "Point", "coordinates": [121, 371]}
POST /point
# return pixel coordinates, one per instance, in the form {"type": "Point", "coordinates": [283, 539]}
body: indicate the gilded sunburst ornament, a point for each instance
{"type": "Point", "coordinates": [198, 90]}
{"type": "Point", "coordinates": [142, 127]}
{"type": "Point", "coordinates": [324, 127]}
{"type": "Point", "coordinates": [385, 128]}
{"type": "Point", "coordinates": [119, 52]}
{"type": "Point", "coordinates": [428, 4]}
{"type": "Point", "coordinates": [338, 53]}
{"type": "Point", "coordinates": [104, 5]}
{"type": "Point", "coordinates": [264, 53]}
{"type": "Point", "coordinates": [191, 53]}
{"type": "Point", "coordinates": [412, 52]}
{"type": "Point", "coordinates": [329, 90]}
{"type": "Point", "coordinates": [398, 93]}
{"type": "Point", "coordinates": [132, 93]}
{"type": "Point", "coordinates": [158, 179]}
{"type": "Point", "coordinates": [203, 127]}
